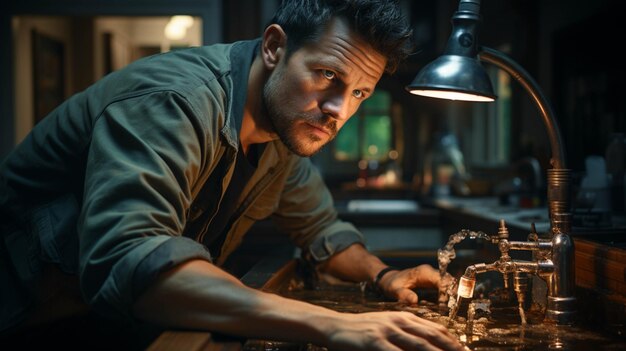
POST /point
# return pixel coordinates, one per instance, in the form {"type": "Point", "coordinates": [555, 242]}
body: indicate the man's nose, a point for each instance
{"type": "Point", "coordinates": [337, 106]}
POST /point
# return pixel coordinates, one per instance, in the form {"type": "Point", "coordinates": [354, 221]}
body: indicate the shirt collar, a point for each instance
{"type": "Point", "coordinates": [241, 57]}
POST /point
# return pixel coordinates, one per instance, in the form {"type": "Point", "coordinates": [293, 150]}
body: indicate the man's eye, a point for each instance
{"type": "Point", "coordinates": [330, 75]}
{"type": "Point", "coordinates": [357, 94]}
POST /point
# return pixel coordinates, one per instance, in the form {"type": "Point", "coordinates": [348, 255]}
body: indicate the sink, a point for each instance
{"type": "Point", "coordinates": [382, 206]}
{"type": "Point", "coordinates": [498, 330]}
{"type": "Point", "coordinates": [489, 209]}
{"type": "Point", "coordinates": [522, 217]}
{"type": "Point", "coordinates": [387, 212]}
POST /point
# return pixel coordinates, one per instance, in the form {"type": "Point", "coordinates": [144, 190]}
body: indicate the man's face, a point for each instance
{"type": "Point", "coordinates": [310, 96]}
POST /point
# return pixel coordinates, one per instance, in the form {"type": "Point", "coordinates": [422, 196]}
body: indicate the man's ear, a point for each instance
{"type": "Point", "coordinates": [274, 45]}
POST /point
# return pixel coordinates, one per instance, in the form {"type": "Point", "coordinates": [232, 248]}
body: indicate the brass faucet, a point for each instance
{"type": "Point", "coordinates": [552, 261]}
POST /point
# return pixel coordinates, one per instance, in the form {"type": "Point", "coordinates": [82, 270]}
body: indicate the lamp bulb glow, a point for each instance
{"type": "Point", "coordinates": [452, 95]}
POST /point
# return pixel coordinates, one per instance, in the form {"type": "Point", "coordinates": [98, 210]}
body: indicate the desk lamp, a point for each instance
{"type": "Point", "coordinates": [458, 75]}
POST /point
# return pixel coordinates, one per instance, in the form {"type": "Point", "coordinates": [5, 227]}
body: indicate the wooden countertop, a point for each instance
{"type": "Point", "coordinates": [192, 341]}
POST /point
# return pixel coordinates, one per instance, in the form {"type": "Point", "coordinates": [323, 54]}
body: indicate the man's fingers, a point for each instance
{"type": "Point", "coordinates": [407, 296]}
{"type": "Point", "coordinates": [408, 341]}
{"type": "Point", "coordinates": [428, 274]}
{"type": "Point", "coordinates": [434, 333]}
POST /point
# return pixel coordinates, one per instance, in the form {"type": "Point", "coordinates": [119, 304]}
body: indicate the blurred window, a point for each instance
{"type": "Point", "coordinates": [368, 134]}
{"type": "Point", "coordinates": [489, 129]}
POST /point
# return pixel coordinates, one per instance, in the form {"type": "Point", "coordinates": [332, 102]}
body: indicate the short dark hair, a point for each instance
{"type": "Point", "coordinates": [380, 22]}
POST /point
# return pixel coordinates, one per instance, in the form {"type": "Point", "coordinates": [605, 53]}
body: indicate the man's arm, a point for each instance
{"type": "Point", "coordinates": [354, 264]}
{"type": "Point", "coordinates": [306, 211]}
{"type": "Point", "coordinates": [357, 264]}
{"type": "Point", "coordinates": [199, 295]}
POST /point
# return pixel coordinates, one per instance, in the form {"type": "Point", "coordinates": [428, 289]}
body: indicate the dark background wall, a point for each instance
{"type": "Point", "coordinates": [560, 43]}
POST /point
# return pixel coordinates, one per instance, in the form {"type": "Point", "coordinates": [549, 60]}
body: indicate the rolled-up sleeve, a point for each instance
{"type": "Point", "coordinates": [145, 155]}
{"type": "Point", "coordinates": [335, 239]}
{"type": "Point", "coordinates": [306, 212]}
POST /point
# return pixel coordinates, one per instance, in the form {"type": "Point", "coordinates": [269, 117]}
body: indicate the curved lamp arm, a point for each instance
{"type": "Point", "coordinates": [458, 75]}
{"type": "Point", "coordinates": [516, 71]}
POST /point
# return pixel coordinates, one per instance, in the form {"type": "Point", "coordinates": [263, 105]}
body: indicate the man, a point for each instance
{"type": "Point", "coordinates": [143, 184]}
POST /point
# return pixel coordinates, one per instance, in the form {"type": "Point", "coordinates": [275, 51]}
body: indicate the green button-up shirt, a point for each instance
{"type": "Point", "coordinates": [120, 182]}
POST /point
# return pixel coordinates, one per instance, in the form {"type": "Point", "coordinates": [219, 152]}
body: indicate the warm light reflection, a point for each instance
{"type": "Point", "coordinates": [451, 95]}
{"type": "Point", "coordinates": [176, 28]}
{"type": "Point", "coordinates": [183, 21]}
{"type": "Point", "coordinates": [451, 68]}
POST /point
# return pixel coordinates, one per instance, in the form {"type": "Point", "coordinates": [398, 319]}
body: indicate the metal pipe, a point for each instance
{"type": "Point", "coordinates": [561, 304]}
{"type": "Point", "coordinates": [563, 259]}
{"type": "Point", "coordinates": [516, 71]}
{"type": "Point", "coordinates": [524, 245]}
{"type": "Point", "coordinates": [558, 177]}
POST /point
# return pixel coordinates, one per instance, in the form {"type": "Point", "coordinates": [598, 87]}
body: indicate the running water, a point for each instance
{"type": "Point", "coordinates": [477, 308]}
{"type": "Point", "coordinates": [454, 308]}
{"type": "Point", "coordinates": [444, 257]}
{"type": "Point", "coordinates": [520, 302]}
{"type": "Point", "coordinates": [471, 313]}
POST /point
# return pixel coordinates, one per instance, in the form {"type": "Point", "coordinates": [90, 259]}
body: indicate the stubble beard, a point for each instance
{"type": "Point", "coordinates": [285, 126]}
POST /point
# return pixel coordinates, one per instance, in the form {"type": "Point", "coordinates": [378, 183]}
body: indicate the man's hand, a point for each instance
{"type": "Point", "coordinates": [356, 264]}
{"type": "Point", "coordinates": [200, 296]}
{"type": "Point", "coordinates": [391, 331]}
{"type": "Point", "coordinates": [399, 285]}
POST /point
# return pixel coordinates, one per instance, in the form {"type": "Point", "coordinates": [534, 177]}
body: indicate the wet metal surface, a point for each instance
{"type": "Point", "coordinates": [497, 328]}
